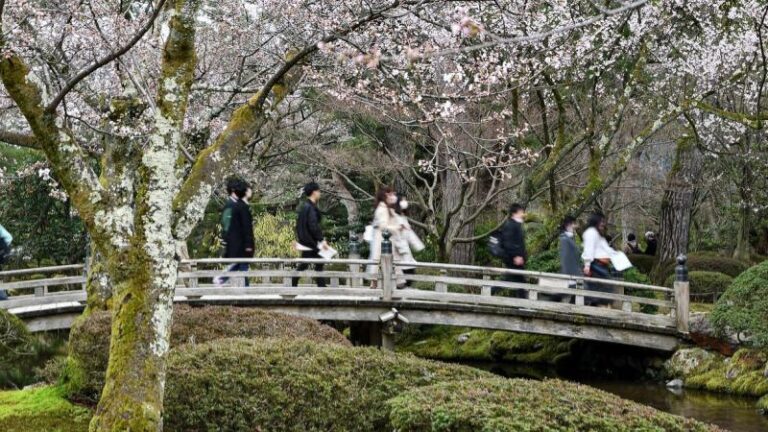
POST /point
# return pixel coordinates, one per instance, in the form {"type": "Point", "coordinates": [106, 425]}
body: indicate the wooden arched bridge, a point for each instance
{"type": "Point", "coordinates": [554, 304]}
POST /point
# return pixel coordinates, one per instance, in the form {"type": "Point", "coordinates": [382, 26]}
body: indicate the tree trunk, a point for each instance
{"type": "Point", "coordinates": [743, 248]}
{"type": "Point", "coordinates": [98, 286]}
{"type": "Point", "coordinates": [677, 204]}
{"type": "Point", "coordinates": [348, 201]}
{"type": "Point", "coordinates": [453, 190]}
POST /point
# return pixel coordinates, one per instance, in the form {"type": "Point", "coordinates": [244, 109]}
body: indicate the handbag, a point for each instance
{"type": "Point", "coordinates": [368, 234]}
{"type": "Point", "coordinates": [414, 241]}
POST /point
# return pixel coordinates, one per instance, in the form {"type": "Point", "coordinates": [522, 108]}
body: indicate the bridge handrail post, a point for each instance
{"type": "Point", "coordinates": [387, 267]}
{"type": "Point", "coordinates": [354, 253]}
{"type": "Point", "coordinates": [682, 294]}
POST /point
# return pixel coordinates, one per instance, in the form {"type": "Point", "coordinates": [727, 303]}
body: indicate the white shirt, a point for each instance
{"type": "Point", "coordinates": [6, 236]}
{"type": "Point", "coordinates": [595, 246]}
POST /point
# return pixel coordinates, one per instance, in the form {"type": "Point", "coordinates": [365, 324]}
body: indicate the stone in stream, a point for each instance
{"type": "Point", "coordinates": [675, 384]}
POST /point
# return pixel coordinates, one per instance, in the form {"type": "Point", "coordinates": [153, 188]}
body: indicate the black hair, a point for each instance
{"type": "Point", "coordinates": [237, 186]}
{"type": "Point", "coordinates": [514, 208]}
{"type": "Point", "coordinates": [595, 220]}
{"type": "Point", "coordinates": [567, 220]}
{"type": "Point", "coordinates": [631, 237]}
{"type": "Point", "coordinates": [311, 187]}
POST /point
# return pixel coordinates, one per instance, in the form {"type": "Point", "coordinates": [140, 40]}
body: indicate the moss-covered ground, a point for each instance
{"type": "Point", "coordinates": [41, 409]}
{"type": "Point", "coordinates": [443, 343]}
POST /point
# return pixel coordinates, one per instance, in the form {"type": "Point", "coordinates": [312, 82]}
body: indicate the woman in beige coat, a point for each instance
{"type": "Point", "coordinates": [384, 218]}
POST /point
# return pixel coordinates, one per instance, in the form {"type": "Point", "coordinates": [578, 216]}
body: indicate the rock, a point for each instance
{"type": "Point", "coordinates": [732, 373]}
{"type": "Point", "coordinates": [686, 360]}
{"type": "Point", "coordinates": [463, 338]}
{"type": "Point", "coordinates": [703, 335]}
{"type": "Point", "coordinates": [675, 384]}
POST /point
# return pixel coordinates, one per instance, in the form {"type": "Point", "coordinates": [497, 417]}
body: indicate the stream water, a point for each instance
{"type": "Point", "coordinates": [736, 414]}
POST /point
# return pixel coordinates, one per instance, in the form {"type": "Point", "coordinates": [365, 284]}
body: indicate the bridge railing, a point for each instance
{"type": "Point", "coordinates": [386, 281]}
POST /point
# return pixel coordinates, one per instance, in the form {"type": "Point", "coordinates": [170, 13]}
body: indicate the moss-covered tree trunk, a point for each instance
{"type": "Point", "coordinates": [677, 204]}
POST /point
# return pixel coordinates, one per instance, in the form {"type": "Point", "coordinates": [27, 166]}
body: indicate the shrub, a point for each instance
{"type": "Point", "coordinates": [502, 405]}
{"type": "Point", "coordinates": [276, 236]}
{"type": "Point", "coordinates": [643, 263]}
{"type": "Point", "coordinates": [15, 339]}
{"type": "Point", "coordinates": [278, 385]}
{"type": "Point", "coordinates": [743, 308]}
{"type": "Point", "coordinates": [41, 409]}
{"type": "Point", "coordinates": [547, 261]}
{"type": "Point", "coordinates": [721, 264]}
{"type": "Point", "coordinates": [89, 340]}
{"type": "Point", "coordinates": [704, 284]}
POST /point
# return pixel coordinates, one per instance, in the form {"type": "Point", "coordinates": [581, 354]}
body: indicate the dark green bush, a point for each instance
{"type": "Point", "coordinates": [705, 285]}
{"type": "Point", "coordinates": [643, 263]}
{"type": "Point", "coordinates": [89, 339]}
{"type": "Point", "coordinates": [513, 405]}
{"type": "Point", "coordinates": [278, 385]}
{"type": "Point", "coordinates": [547, 261]}
{"type": "Point", "coordinates": [721, 264]}
{"type": "Point", "coordinates": [743, 308]}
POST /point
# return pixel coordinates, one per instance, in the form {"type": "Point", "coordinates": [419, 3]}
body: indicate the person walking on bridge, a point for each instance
{"type": "Point", "coordinates": [385, 219]}
{"type": "Point", "coordinates": [309, 233]}
{"type": "Point", "coordinates": [237, 227]}
{"type": "Point", "coordinates": [597, 257]}
{"type": "Point", "coordinates": [513, 245]}
{"type": "Point", "coordinates": [5, 250]}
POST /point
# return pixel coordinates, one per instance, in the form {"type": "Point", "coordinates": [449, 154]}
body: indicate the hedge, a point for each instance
{"type": "Point", "coordinates": [725, 265]}
{"type": "Point", "coordinates": [643, 263]}
{"type": "Point", "coordinates": [89, 338]}
{"type": "Point", "coordinates": [277, 385]}
{"type": "Point", "coordinates": [743, 308]}
{"type": "Point", "coordinates": [512, 405]}
{"type": "Point", "coordinates": [705, 284]}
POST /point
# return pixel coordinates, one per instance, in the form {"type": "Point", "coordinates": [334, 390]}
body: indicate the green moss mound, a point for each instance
{"type": "Point", "coordinates": [502, 405]}
{"type": "Point", "coordinates": [41, 409]}
{"type": "Point", "coordinates": [743, 308]}
{"type": "Point", "coordinates": [442, 343]}
{"type": "Point", "coordinates": [719, 264]}
{"type": "Point", "coordinates": [705, 285]}
{"type": "Point", "coordinates": [742, 374]}
{"type": "Point", "coordinates": [279, 385]}
{"type": "Point", "coordinates": [89, 339]}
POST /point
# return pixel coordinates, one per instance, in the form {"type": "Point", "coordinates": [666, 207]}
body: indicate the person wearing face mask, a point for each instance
{"type": "Point", "coordinates": [407, 242]}
{"type": "Point", "coordinates": [570, 258]}
{"type": "Point", "coordinates": [597, 257]}
{"type": "Point", "coordinates": [385, 219]}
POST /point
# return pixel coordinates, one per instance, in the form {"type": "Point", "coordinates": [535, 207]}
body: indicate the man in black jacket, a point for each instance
{"type": "Point", "coordinates": [237, 226]}
{"type": "Point", "coordinates": [513, 244]}
{"type": "Point", "coordinates": [309, 233]}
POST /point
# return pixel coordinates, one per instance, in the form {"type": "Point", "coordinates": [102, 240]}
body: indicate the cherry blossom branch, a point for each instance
{"type": "Point", "coordinates": [98, 64]}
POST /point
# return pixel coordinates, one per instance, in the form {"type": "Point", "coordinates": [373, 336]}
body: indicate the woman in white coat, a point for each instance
{"type": "Point", "coordinates": [384, 218]}
{"type": "Point", "coordinates": [407, 243]}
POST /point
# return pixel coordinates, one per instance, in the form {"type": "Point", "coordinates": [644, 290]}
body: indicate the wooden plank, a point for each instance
{"type": "Point", "coordinates": [503, 271]}
{"type": "Point", "coordinates": [226, 261]}
{"type": "Point", "coordinates": [682, 300]}
{"type": "Point", "coordinates": [539, 288]}
{"type": "Point", "coordinates": [486, 290]}
{"type": "Point", "coordinates": [279, 290]}
{"type": "Point", "coordinates": [617, 315]}
{"type": "Point", "coordinates": [39, 270]}
{"type": "Point", "coordinates": [67, 280]}
{"type": "Point", "coordinates": [289, 273]}
{"type": "Point", "coordinates": [31, 300]}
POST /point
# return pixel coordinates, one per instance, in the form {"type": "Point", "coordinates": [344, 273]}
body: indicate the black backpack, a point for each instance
{"type": "Point", "coordinates": [495, 245]}
{"type": "Point", "coordinates": [5, 251]}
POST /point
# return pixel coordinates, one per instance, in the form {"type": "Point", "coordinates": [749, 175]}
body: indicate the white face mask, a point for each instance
{"type": "Point", "coordinates": [569, 233]}
{"type": "Point", "coordinates": [404, 204]}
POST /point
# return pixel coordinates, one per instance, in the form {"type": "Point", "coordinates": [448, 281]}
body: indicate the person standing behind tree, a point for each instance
{"type": "Point", "coordinates": [650, 243]}
{"type": "Point", "coordinates": [513, 245]}
{"type": "Point", "coordinates": [309, 233]}
{"type": "Point", "coordinates": [631, 247]}
{"type": "Point", "coordinates": [5, 249]}
{"type": "Point", "coordinates": [237, 227]}
{"type": "Point", "coordinates": [597, 257]}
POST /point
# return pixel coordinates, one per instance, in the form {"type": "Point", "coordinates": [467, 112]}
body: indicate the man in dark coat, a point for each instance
{"type": "Point", "coordinates": [237, 226]}
{"type": "Point", "coordinates": [650, 243]}
{"type": "Point", "coordinates": [309, 233]}
{"type": "Point", "coordinates": [513, 244]}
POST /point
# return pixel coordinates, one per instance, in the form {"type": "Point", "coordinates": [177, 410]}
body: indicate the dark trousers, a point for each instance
{"type": "Point", "coordinates": [234, 268]}
{"type": "Point", "coordinates": [518, 293]}
{"type": "Point", "coordinates": [303, 266]}
{"type": "Point", "coordinates": [599, 271]}
{"type": "Point", "coordinates": [3, 294]}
